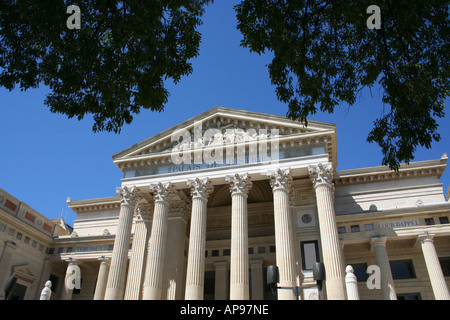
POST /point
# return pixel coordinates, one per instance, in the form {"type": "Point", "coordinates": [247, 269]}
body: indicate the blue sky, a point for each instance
{"type": "Point", "coordinates": [46, 157]}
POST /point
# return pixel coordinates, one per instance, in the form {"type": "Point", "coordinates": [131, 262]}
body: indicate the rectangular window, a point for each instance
{"type": "Point", "coordinates": [429, 221]}
{"type": "Point", "coordinates": [445, 265]}
{"type": "Point", "coordinates": [342, 230]}
{"type": "Point", "coordinates": [368, 227]}
{"type": "Point", "coordinates": [355, 228]}
{"type": "Point", "coordinates": [10, 205]}
{"type": "Point", "coordinates": [310, 254]}
{"type": "Point", "coordinates": [78, 291]}
{"type": "Point", "coordinates": [443, 220]}
{"type": "Point", "coordinates": [402, 269]}
{"type": "Point", "coordinates": [360, 271]}
{"type": "Point", "coordinates": [409, 296]}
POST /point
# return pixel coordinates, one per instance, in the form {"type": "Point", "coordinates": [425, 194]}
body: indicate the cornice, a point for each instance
{"type": "Point", "coordinates": [393, 213]}
{"type": "Point", "coordinates": [96, 204]}
{"type": "Point", "coordinates": [383, 173]}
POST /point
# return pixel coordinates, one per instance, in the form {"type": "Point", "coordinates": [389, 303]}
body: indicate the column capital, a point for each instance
{"type": "Point", "coordinates": [162, 192]}
{"type": "Point", "coordinates": [425, 237]}
{"type": "Point", "coordinates": [378, 242]}
{"type": "Point", "coordinates": [104, 259]}
{"type": "Point", "coordinates": [280, 179]}
{"type": "Point", "coordinates": [239, 183]}
{"type": "Point", "coordinates": [127, 194]}
{"type": "Point", "coordinates": [200, 188]}
{"type": "Point", "coordinates": [321, 174]}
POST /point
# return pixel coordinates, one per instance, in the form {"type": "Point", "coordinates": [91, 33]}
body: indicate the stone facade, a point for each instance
{"type": "Point", "coordinates": [206, 206]}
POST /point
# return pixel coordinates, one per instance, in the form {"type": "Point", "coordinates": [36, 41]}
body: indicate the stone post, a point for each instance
{"type": "Point", "coordinates": [281, 182]}
{"type": "Point", "coordinates": [435, 273]}
{"type": "Point", "coordinates": [46, 293]}
{"type": "Point", "coordinates": [351, 284]}
{"type": "Point", "coordinates": [240, 186]}
{"type": "Point", "coordinates": [322, 179]}
{"type": "Point", "coordinates": [117, 274]}
{"type": "Point", "coordinates": [195, 275]}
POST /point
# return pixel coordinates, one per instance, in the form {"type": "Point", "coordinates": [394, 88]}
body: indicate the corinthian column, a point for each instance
{"type": "Point", "coordinates": [117, 273]}
{"type": "Point", "coordinates": [136, 269]}
{"type": "Point", "coordinates": [155, 259]}
{"type": "Point", "coordinates": [281, 181]}
{"type": "Point", "coordinates": [240, 185]}
{"type": "Point", "coordinates": [437, 278]}
{"type": "Point", "coordinates": [322, 177]}
{"type": "Point", "coordinates": [195, 275]}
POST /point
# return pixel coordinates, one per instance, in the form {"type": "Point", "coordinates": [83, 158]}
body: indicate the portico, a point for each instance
{"type": "Point", "coordinates": [219, 150]}
{"type": "Point", "coordinates": [204, 207]}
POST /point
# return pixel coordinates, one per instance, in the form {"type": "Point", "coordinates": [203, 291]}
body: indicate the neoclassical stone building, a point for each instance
{"type": "Point", "coordinates": [206, 206]}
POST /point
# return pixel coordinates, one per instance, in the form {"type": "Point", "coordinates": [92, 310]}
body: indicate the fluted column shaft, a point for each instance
{"type": "Point", "coordinates": [281, 181]}
{"type": "Point", "coordinates": [435, 273]}
{"type": "Point", "coordinates": [117, 273]}
{"type": "Point", "coordinates": [173, 288]}
{"type": "Point", "coordinates": [156, 246]}
{"type": "Point", "coordinates": [387, 282]}
{"type": "Point", "coordinates": [195, 275]}
{"type": "Point", "coordinates": [240, 185]}
{"type": "Point", "coordinates": [322, 177]}
{"type": "Point", "coordinates": [136, 270]}
{"type": "Point", "coordinates": [102, 279]}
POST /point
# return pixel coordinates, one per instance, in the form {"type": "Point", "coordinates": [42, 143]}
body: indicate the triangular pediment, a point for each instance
{"type": "Point", "coordinates": [234, 123]}
{"type": "Point", "coordinates": [25, 272]}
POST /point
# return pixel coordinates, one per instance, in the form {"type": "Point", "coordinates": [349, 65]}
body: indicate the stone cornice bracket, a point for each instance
{"type": "Point", "coordinates": [162, 192]}
{"type": "Point", "coordinates": [200, 188]}
{"type": "Point", "coordinates": [321, 174]}
{"type": "Point", "coordinates": [143, 210]}
{"type": "Point", "coordinates": [239, 183]}
{"type": "Point", "coordinates": [179, 209]}
{"type": "Point", "coordinates": [281, 179]}
{"type": "Point", "coordinates": [127, 194]}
